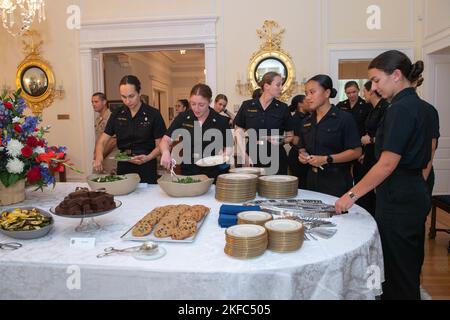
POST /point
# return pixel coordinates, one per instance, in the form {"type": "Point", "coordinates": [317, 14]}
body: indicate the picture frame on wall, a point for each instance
{"type": "Point", "coordinates": [113, 105]}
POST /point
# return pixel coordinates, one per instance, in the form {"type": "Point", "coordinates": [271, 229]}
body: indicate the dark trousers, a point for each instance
{"type": "Point", "coordinates": [402, 206]}
{"type": "Point", "coordinates": [280, 156]}
{"type": "Point", "coordinates": [298, 169]}
{"type": "Point", "coordinates": [333, 180]}
{"type": "Point", "coordinates": [369, 200]}
{"type": "Point", "coordinates": [146, 171]}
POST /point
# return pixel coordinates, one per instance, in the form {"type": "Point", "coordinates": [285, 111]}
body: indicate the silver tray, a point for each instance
{"type": "Point", "coordinates": [87, 215]}
{"type": "Point", "coordinates": [128, 236]}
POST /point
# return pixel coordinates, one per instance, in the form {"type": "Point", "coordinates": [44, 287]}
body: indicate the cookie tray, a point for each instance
{"type": "Point", "coordinates": [128, 236]}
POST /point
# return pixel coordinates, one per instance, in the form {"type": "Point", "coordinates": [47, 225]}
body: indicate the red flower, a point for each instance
{"type": "Point", "coordinates": [17, 128]}
{"type": "Point", "coordinates": [27, 151]}
{"type": "Point", "coordinates": [8, 105]}
{"type": "Point", "coordinates": [32, 142]}
{"type": "Point", "coordinates": [34, 175]}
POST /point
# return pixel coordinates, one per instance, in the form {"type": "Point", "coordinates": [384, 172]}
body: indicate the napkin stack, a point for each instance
{"type": "Point", "coordinates": [228, 214]}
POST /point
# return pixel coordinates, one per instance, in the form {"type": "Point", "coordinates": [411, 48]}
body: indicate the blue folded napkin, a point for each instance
{"type": "Point", "coordinates": [228, 213]}
{"type": "Point", "coordinates": [234, 210]}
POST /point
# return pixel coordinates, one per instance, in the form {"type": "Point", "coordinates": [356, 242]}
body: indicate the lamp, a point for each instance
{"type": "Point", "coordinates": [18, 15]}
{"type": "Point", "coordinates": [243, 88]}
{"type": "Point", "coordinates": [60, 92]}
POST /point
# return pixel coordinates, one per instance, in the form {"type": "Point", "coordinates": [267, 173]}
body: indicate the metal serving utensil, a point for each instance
{"type": "Point", "coordinates": [145, 247]}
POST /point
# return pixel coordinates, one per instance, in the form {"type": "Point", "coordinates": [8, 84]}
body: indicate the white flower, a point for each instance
{"type": "Point", "coordinates": [39, 150]}
{"type": "Point", "coordinates": [15, 166]}
{"type": "Point", "coordinates": [14, 148]}
{"type": "Point", "coordinates": [16, 120]}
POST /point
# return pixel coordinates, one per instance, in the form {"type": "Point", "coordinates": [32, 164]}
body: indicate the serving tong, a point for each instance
{"type": "Point", "coordinates": [146, 247]}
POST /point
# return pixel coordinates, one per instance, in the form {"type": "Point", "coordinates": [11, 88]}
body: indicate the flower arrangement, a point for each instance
{"type": "Point", "coordinates": [24, 153]}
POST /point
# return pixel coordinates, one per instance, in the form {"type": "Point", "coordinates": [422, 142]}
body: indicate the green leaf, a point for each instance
{"type": "Point", "coordinates": [9, 179]}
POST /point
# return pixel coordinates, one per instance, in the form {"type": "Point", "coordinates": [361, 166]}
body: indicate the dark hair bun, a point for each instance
{"type": "Point", "coordinates": [333, 93]}
{"type": "Point", "coordinates": [416, 71]}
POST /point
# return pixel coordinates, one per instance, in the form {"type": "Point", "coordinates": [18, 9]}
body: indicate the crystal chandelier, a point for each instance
{"type": "Point", "coordinates": [18, 15]}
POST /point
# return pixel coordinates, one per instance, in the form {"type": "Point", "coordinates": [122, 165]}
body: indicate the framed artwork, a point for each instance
{"type": "Point", "coordinates": [114, 104]}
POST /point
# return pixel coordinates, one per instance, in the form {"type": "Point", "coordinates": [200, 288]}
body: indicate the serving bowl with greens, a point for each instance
{"type": "Point", "coordinates": [185, 186]}
{"type": "Point", "coordinates": [116, 185]}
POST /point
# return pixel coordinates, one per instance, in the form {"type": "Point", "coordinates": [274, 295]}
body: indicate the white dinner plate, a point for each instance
{"type": "Point", "coordinates": [254, 215]}
{"type": "Point", "coordinates": [279, 178]}
{"type": "Point", "coordinates": [212, 161]}
{"type": "Point", "coordinates": [246, 231]}
{"type": "Point", "coordinates": [283, 225]}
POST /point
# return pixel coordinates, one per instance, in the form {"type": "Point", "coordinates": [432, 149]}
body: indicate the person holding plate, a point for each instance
{"type": "Point", "coordinates": [204, 133]}
{"type": "Point", "coordinates": [329, 140]}
{"type": "Point", "coordinates": [268, 124]}
{"type": "Point", "coordinates": [138, 128]}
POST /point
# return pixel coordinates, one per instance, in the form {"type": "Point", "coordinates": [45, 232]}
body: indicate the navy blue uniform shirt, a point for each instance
{"type": "Point", "coordinates": [335, 133]}
{"type": "Point", "coordinates": [137, 134]}
{"type": "Point", "coordinates": [406, 131]}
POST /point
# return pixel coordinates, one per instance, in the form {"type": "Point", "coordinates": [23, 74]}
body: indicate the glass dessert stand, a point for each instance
{"type": "Point", "coordinates": [87, 223]}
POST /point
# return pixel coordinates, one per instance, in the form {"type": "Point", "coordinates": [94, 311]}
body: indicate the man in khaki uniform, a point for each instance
{"type": "Point", "coordinates": [100, 105]}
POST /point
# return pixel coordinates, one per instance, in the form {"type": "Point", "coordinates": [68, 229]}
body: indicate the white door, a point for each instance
{"type": "Point", "coordinates": [439, 95]}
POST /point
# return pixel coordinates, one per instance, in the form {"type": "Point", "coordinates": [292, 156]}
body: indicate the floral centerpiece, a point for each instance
{"type": "Point", "coordinates": [24, 153]}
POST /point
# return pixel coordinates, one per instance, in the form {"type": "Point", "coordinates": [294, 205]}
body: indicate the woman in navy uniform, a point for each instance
{"type": "Point", "coordinates": [403, 149]}
{"type": "Point", "coordinates": [373, 121]}
{"type": "Point", "coordinates": [429, 170]}
{"type": "Point", "coordinates": [359, 109]}
{"type": "Point", "coordinates": [199, 118]}
{"type": "Point", "coordinates": [267, 116]}
{"type": "Point", "coordinates": [299, 106]}
{"type": "Point", "coordinates": [329, 140]}
{"type": "Point", "coordinates": [138, 129]}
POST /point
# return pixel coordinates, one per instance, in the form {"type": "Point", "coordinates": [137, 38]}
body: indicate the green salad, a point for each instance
{"type": "Point", "coordinates": [123, 157]}
{"type": "Point", "coordinates": [108, 179]}
{"type": "Point", "coordinates": [187, 180]}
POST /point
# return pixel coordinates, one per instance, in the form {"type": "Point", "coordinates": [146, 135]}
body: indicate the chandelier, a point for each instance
{"type": "Point", "coordinates": [18, 15]}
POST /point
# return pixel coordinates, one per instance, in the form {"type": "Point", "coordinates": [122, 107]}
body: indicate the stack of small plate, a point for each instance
{"type": "Point", "coordinates": [245, 241]}
{"type": "Point", "coordinates": [278, 187]}
{"type": "Point", "coordinates": [249, 170]}
{"type": "Point", "coordinates": [254, 217]}
{"type": "Point", "coordinates": [236, 187]}
{"type": "Point", "coordinates": [285, 235]}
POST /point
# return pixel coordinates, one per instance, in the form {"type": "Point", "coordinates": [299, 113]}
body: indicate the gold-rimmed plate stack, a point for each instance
{"type": "Point", "coordinates": [245, 241]}
{"type": "Point", "coordinates": [278, 187]}
{"type": "Point", "coordinates": [236, 187]}
{"type": "Point", "coordinates": [249, 170]}
{"type": "Point", "coordinates": [254, 217]}
{"type": "Point", "coordinates": [285, 235]}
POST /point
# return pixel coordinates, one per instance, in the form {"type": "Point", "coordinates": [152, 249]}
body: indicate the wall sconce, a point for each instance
{"type": "Point", "coordinates": [60, 92]}
{"type": "Point", "coordinates": [243, 88]}
{"type": "Point", "coordinates": [6, 88]}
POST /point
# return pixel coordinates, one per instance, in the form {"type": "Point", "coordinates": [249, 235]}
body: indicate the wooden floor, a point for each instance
{"type": "Point", "coordinates": [436, 267]}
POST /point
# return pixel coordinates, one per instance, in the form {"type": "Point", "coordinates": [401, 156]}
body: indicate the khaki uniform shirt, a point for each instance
{"type": "Point", "coordinates": [109, 165]}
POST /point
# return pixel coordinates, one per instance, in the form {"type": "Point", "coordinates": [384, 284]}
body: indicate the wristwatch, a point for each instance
{"type": "Point", "coordinates": [352, 196]}
{"type": "Point", "coordinates": [330, 159]}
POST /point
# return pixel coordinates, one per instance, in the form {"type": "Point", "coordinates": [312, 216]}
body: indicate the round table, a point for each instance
{"type": "Point", "coordinates": [347, 266]}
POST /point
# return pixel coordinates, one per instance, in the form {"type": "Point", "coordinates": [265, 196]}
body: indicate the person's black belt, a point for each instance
{"type": "Point", "coordinates": [332, 168]}
{"type": "Point", "coordinates": [408, 172]}
{"type": "Point", "coordinates": [135, 152]}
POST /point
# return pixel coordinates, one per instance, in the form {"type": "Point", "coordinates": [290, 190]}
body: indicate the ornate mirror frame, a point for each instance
{"type": "Point", "coordinates": [271, 49]}
{"type": "Point", "coordinates": [45, 93]}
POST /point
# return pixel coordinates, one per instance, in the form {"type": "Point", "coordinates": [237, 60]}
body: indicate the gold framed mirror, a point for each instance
{"type": "Point", "coordinates": [271, 57]}
{"type": "Point", "coordinates": [35, 77]}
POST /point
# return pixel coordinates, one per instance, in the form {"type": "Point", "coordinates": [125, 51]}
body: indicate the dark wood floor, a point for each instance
{"type": "Point", "coordinates": [436, 267]}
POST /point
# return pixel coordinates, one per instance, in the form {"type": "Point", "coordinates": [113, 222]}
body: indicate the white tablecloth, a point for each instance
{"type": "Point", "coordinates": [338, 268]}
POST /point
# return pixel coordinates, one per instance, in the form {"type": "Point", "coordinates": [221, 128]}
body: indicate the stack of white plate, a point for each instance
{"type": "Point", "coordinates": [254, 217]}
{"type": "Point", "coordinates": [245, 241]}
{"type": "Point", "coordinates": [285, 235]}
{"type": "Point", "coordinates": [278, 187]}
{"type": "Point", "coordinates": [236, 187]}
{"type": "Point", "coordinates": [249, 170]}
